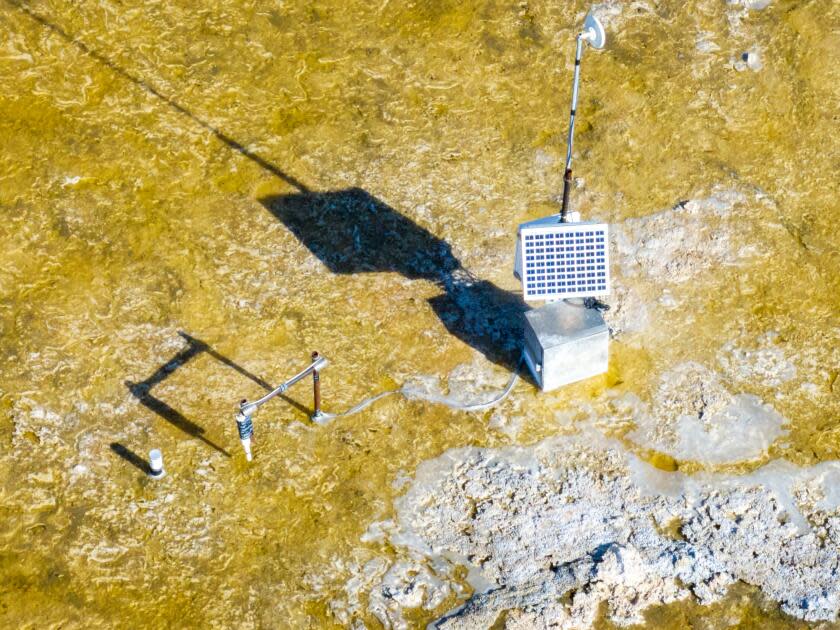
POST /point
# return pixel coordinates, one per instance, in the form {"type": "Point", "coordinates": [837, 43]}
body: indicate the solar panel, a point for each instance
{"type": "Point", "coordinates": [563, 260]}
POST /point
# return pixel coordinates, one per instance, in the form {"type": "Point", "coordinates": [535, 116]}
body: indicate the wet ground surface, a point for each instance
{"type": "Point", "coordinates": [197, 197]}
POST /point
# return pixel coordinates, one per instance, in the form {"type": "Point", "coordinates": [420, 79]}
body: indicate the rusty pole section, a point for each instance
{"type": "Point", "coordinates": [567, 185]}
{"type": "Point", "coordinates": [316, 390]}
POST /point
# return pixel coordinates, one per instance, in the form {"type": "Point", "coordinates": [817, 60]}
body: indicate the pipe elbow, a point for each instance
{"type": "Point", "coordinates": [246, 410]}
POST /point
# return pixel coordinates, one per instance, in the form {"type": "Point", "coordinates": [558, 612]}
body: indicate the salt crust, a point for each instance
{"type": "Point", "coordinates": [765, 364]}
{"type": "Point", "coordinates": [553, 530]}
{"type": "Point", "coordinates": [467, 384]}
{"type": "Point", "coordinates": [694, 417]}
{"type": "Point", "coordinates": [674, 245]}
{"type": "Point", "coordinates": [666, 249]}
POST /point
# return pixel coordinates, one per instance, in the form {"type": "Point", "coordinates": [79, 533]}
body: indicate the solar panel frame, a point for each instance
{"type": "Point", "coordinates": [564, 260]}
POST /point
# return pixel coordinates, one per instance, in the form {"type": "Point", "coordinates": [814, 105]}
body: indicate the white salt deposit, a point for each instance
{"type": "Point", "coordinates": [704, 43]}
{"type": "Point", "coordinates": [71, 180]}
{"type": "Point", "coordinates": [674, 245]}
{"type": "Point", "coordinates": [749, 60]}
{"type": "Point", "coordinates": [694, 417]}
{"type": "Point", "coordinates": [559, 528]}
{"type": "Point", "coordinates": [755, 5]}
{"type": "Point", "coordinates": [753, 59]}
{"type": "Point", "coordinates": [765, 365]}
{"type": "Point", "coordinates": [510, 424]}
{"type": "Point", "coordinates": [467, 384]}
{"type": "Point", "coordinates": [740, 431]}
{"type": "Point", "coordinates": [656, 254]}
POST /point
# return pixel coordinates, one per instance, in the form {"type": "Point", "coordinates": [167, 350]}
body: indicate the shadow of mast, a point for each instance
{"type": "Point", "coordinates": [151, 89]}
{"type": "Point", "coordinates": [342, 229]}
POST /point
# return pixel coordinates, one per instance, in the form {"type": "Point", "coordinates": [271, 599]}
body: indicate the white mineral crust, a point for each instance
{"type": "Point", "coordinates": [694, 417]}
{"type": "Point", "coordinates": [556, 529]}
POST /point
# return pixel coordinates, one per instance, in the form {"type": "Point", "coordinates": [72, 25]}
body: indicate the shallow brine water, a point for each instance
{"type": "Point", "coordinates": [197, 196]}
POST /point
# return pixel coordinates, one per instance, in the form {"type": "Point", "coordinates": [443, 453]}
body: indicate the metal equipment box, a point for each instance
{"type": "Point", "coordinates": [565, 343]}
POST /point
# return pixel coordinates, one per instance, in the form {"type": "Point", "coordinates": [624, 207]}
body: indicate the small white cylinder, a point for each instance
{"type": "Point", "coordinates": [246, 444]}
{"type": "Point", "coordinates": [156, 463]}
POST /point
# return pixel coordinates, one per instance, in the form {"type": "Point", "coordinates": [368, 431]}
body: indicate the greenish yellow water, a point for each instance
{"type": "Point", "coordinates": [129, 214]}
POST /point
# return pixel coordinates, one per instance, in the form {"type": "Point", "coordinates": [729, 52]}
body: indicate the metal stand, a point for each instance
{"type": "Point", "coordinates": [567, 178]}
{"type": "Point", "coordinates": [247, 409]}
{"type": "Point", "coordinates": [317, 414]}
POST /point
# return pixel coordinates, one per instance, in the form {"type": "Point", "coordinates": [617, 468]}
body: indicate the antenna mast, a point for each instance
{"type": "Point", "coordinates": [593, 32]}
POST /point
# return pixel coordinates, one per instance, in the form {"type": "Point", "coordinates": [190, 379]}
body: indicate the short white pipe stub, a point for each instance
{"type": "Point", "coordinates": [246, 444]}
{"type": "Point", "coordinates": [156, 463]}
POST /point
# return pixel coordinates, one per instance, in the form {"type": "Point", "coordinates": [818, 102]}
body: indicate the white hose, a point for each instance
{"type": "Point", "coordinates": [416, 394]}
{"type": "Point", "coordinates": [357, 408]}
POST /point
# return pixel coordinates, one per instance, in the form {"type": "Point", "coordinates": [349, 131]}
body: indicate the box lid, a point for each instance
{"type": "Point", "coordinates": [560, 322]}
{"type": "Point", "coordinates": [553, 220]}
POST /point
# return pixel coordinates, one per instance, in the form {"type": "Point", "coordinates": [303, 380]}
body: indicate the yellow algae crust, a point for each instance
{"type": "Point", "coordinates": [143, 148]}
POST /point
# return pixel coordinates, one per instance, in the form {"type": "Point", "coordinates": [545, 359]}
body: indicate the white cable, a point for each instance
{"type": "Point", "coordinates": [455, 404]}
{"type": "Point", "coordinates": [411, 393]}
{"type": "Point", "coordinates": [357, 408]}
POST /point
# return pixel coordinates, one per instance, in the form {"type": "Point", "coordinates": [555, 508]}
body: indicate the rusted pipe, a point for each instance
{"type": "Point", "coordinates": [567, 184]}
{"type": "Point", "coordinates": [316, 391]}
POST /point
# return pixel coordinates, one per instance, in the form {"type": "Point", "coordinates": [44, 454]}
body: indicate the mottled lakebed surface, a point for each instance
{"type": "Point", "coordinates": [276, 178]}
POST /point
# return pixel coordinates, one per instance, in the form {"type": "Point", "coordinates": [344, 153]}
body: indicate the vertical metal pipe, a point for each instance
{"type": "Point", "coordinates": [567, 178]}
{"type": "Point", "coordinates": [316, 390]}
{"type": "Point", "coordinates": [245, 426]}
{"type": "Point", "coordinates": [567, 184]}
{"type": "Point", "coordinates": [575, 84]}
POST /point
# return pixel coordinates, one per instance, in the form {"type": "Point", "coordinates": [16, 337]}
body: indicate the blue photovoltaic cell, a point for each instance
{"type": "Point", "coordinates": [564, 260]}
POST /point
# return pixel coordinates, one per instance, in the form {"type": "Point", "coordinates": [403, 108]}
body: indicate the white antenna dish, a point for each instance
{"type": "Point", "coordinates": [593, 31]}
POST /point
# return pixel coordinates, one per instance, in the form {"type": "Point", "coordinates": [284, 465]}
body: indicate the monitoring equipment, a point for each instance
{"type": "Point", "coordinates": [559, 258]}
{"type": "Point", "coordinates": [565, 343]}
{"type": "Point", "coordinates": [244, 417]}
{"type": "Point", "coordinates": [562, 260]}
{"type": "Point", "coordinates": [156, 463]}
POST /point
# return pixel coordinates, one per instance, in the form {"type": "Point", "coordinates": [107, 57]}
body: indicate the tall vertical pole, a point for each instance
{"type": "Point", "coordinates": [567, 177]}
{"type": "Point", "coordinates": [316, 390]}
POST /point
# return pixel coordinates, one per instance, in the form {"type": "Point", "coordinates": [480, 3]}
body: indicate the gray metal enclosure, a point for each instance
{"type": "Point", "coordinates": [565, 343]}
